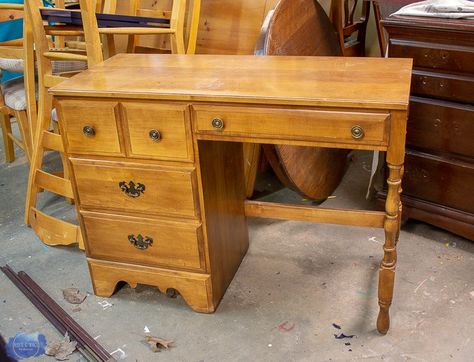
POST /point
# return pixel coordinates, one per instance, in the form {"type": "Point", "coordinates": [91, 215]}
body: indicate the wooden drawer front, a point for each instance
{"type": "Point", "coordinates": [166, 190]}
{"type": "Point", "coordinates": [434, 56]}
{"type": "Point", "coordinates": [443, 85]}
{"type": "Point", "coordinates": [101, 118]}
{"type": "Point", "coordinates": [311, 125]}
{"type": "Point", "coordinates": [140, 241]}
{"type": "Point", "coordinates": [158, 131]}
{"type": "Point", "coordinates": [441, 126]}
{"type": "Point", "coordinates": [443, 181]}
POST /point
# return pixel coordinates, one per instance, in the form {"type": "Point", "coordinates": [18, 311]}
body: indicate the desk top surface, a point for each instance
{"type": "Point", "coordinates": [307, 81]}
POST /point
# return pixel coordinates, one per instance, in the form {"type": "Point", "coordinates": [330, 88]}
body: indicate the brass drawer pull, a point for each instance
{"type": "Point", "coordinates": [155, 135]}
{"type": "Point", "coordinates": [88, 131]}
{"type": "Point", "coordinates": [140, 242]}
{"type": "Point", "coordinates": [217, 123]}
{"type": "Point", "coordinates": [131, 189]}
{"type": "Point", "coordinates": [357, 132]}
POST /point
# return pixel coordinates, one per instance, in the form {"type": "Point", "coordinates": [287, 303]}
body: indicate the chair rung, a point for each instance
{"type": "Point", "coordinates": [53, 183]}
{"type": "Point", "coordinates": [52, 141]}
{"type": "Point", "coordinates": [136, 31]}
{"type": "Point", "coordinates": [65, 56]}
{"type": "Point", "coordinates": [11, 6]}
{"type": "Point", "coordinates": [53, 231]}
{"type": "Point", "coordinates": [63, 32]}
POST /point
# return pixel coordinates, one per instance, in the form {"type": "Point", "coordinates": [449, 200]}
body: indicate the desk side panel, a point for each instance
{"type": "Point", "coordinates": [222, 187]}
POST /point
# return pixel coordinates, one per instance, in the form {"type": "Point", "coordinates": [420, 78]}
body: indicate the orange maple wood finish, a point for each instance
{"type": "Point", "coordinates": [167, 130]}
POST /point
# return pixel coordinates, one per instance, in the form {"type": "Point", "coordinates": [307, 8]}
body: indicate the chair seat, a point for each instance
{"type": "Point", "coordinates": [14, 90]}
{"type": "Point", "coordinates": [14, 94]}
{"type": "Point", "coordinates": [11, 65]}
{"type": "Point", "coordinates": [59, 66]}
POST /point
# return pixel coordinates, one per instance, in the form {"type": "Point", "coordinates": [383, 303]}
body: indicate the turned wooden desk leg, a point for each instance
{"type": "Point", "coordinates": [387, 267]}
{"type": "Point", "coordinates": [400, 206]}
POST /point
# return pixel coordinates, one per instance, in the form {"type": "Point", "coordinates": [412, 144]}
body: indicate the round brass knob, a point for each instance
{"type": "Point", "coordinates": [155, 135]}
{"type": "Point", "coordinates": [88, 131]}
{"type": "Point", "coordinates": [217, 123]}
{"type": "Point", "coordinates": [357, 132]}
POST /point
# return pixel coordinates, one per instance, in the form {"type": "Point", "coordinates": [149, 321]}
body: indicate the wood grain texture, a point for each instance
{"type": "Point", "coordinates": [447, 182]}
{"type": "Point", "coordinates": [441, 127]}
{"type": "Point", "coordinates": [328, 81]}
{"type": "Point", "coordinates": [221, 173]}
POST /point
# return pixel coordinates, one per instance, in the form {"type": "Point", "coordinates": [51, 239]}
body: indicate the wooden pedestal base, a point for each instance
{"type": "Point", "coordinates": [195, 288]}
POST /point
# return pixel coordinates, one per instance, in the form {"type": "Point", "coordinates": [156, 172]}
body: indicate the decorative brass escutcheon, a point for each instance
{"type": "Point", "coordinates": [132, 189]}
{"type": "Point", "coordinates": [155, 135]}
{"type": "Point", "coordinates": [88, 131]}
{"type": "Point", "coordinates": [140, 242]}
{"type": "Point", "coordinates": [217, 123]}
{"type": "Point", "coordinates": [357, 132]}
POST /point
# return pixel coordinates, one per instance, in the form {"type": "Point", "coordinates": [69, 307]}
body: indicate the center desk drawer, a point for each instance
{"type": "Point", "coordinates": [136, 188]}
{"type": "Point", "coordinates": [300, 124]}
{"type": "Point", "coordinates": [143, 241]}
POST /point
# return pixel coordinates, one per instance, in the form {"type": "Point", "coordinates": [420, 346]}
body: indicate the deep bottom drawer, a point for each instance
{"type": "Point", "coordinates": [443, 181]}
{"type": "Point", "coordinates": [143, 241]}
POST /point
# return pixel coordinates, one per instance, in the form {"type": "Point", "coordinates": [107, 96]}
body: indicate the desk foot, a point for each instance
{"type": "Point", "coordinates": [392, 230]}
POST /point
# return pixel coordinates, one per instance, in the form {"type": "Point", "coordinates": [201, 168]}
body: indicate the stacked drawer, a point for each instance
{"type": "Point", "coordinates": [439, 167]}
{"type": "Point", "coordinates": [135, 180]}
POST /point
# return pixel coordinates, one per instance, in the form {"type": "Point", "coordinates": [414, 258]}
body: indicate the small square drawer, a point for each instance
{"type": "Point", "coordinates": [160, 131]}
{"type": "Point", "coordinates": [136, 188]}
{"type": "Point", "coordinates": [143, 241]}
{"type": "Point", "coordinates": [90, 127]}
{"type": "Point", "coordinates": [322, 125]}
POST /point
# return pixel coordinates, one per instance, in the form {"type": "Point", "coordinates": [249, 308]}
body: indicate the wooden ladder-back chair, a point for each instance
{"type": "Point", "coordinates": [351, 33]}
{"type": "Point", "coordinates": [176, 14]}
{"type": "Point", "coordinates": [301, 27]}
{"type": "Point", "coordinates": [15, 101]}
{"type": "Point", "coordinates": [53, 67]}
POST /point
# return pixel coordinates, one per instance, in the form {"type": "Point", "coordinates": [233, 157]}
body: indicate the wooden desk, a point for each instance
{"type": "Point", "coordinates": [155, 145]}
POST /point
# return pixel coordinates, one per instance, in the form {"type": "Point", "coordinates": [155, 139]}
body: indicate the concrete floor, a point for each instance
{"type": "Point", "coordinates": [295, 282]}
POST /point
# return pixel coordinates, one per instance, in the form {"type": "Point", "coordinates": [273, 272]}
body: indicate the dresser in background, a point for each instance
{"type": "Point", "coordinates": [438, 186]}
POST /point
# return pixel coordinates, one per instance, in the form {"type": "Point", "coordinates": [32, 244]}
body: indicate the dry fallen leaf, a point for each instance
{"type": "Point", "coordinates": [157, 344]}
{"type": "Point", "coordinates": [62, 349]}
{"type": "Point", "coordinates": [74, 295]}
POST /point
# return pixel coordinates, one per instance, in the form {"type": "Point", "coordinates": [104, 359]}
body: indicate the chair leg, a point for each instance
{"type": "Point", "coordinates": [22, 121]}
{"type": "Point", "coordinates": [7, 142]}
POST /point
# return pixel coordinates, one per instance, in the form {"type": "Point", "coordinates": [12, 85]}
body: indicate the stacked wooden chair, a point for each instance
{"type": "Point", "coordinates": [17, 56]}
{"type": "Point", "coordinates": [351, 30]}
{"type": "Point", "coordinates": [51, 230]}
{"type": "Point", "coordinates": [182, 29]}
{"type": "Point", "coordinates": [54, 66]}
